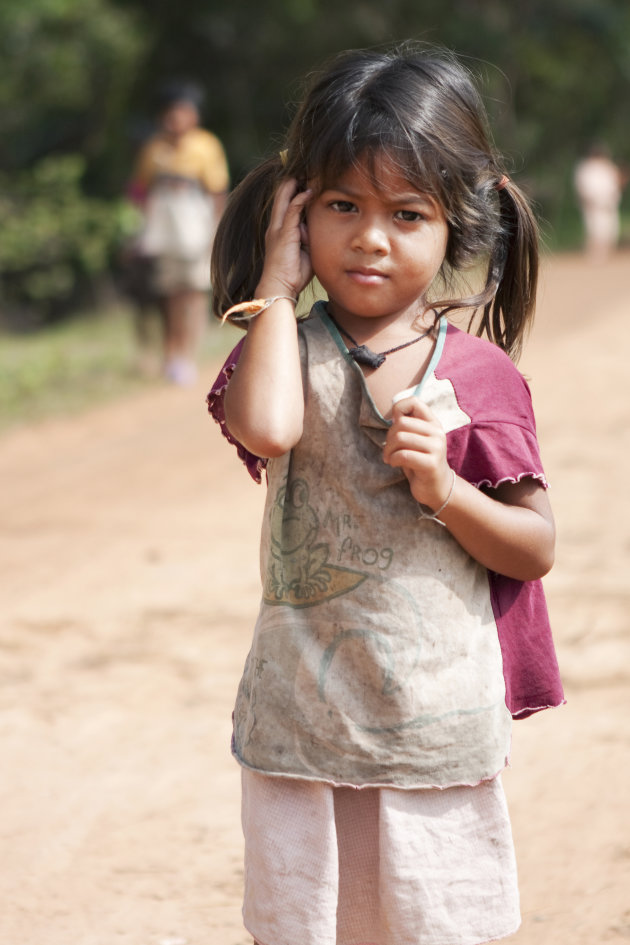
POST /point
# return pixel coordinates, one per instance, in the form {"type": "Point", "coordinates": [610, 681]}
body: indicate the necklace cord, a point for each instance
{"type": "Point", "coordinates": [364, 355]}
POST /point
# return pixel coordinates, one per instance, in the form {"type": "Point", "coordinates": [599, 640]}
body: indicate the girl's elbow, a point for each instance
{"type": "Point", "coordinates": [530, 568]}
{"type": "Point", "coordinates": [532, 558]}
{"type": "Point", "coordinates": [547, 547]}
{"type": "Point", "coordinates": [269, 443]}
{"type": "Point", "coordinates": [546, 561]}
{"type": "Point", "coordinates": [538, 568]}
{"type": "Point", "coordinates": [539, 561]}
{"type": "Point", "coordinates": [277, 436]}
{"type": "Point", "coordinates": [262, 433]}
{"type": "Point", "coordinates": [540, 549]}
{"type": "Point", "coordinates": [274, 446]}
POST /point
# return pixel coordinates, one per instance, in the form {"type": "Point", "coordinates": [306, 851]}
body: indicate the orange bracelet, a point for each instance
{"type": "Point", "coordinates": [252, 308]}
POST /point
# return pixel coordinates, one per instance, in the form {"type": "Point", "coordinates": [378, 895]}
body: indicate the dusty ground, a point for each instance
{"type": "Point", "coordinates": [128, 568]}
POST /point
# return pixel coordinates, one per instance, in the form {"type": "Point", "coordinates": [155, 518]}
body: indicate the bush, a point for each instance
{"type": "Point", "coordinates": [56, 242]}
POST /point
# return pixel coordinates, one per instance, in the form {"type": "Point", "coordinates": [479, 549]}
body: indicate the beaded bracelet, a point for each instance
{"type": "Point", "coordinates": [434, 515]}
{"type": "Point", "coordinates": [252, 308]}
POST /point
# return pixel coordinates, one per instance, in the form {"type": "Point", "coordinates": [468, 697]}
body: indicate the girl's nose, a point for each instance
{"type": "Point", "coordinates": [370, 237]}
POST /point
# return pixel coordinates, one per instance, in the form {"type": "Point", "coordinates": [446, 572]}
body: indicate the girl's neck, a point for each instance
{"type": "Point", "coordinates": [401, 368]}
{"type": "Point", "coordinates": [383, 331]}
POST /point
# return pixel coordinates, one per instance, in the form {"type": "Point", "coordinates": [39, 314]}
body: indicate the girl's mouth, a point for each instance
{"type": "Point", "coordinates": [367, 276]}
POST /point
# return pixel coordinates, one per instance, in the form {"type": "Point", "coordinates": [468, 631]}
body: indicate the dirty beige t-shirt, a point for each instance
{"type": "Point", "coordinates": [375, 658]}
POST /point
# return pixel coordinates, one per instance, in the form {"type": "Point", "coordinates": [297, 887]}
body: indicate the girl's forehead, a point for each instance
{"type": "Point", "coordinates": [379, 176]}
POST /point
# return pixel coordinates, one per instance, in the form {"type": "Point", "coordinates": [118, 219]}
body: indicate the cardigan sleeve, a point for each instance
{"type": "Point", "coordinates": [215, 403]}
{"type": "Point", "coordinates": [491, 452]}
{"type": "Point", "coordinates": [495, 443]}
{"type": "Point", "coordinates": [495, 439]}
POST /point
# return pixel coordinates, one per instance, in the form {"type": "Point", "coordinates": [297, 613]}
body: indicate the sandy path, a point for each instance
{"type": "Point", "coordinates": [129, 579]}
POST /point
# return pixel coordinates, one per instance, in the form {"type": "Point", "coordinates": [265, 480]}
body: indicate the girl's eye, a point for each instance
{"type": "Point", "coordinates": [342, 206]}
{"type": "Point", "coordinates": [409, 216]}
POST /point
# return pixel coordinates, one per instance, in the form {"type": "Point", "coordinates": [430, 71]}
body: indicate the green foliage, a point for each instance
{"type": "Point", "coordinates": [67, 66]}
{"type": "Point", "coordinates": [79, 76]}
{"type": "Point", "coordinates": [55, 240]}
{"type": "Point", "coordinates": [556, 73]}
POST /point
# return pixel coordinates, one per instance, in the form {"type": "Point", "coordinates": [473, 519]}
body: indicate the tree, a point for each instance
{"type": "Point", "coordinates": [79, 76]}
{"type": "Point", "coordinates": [67, 67]}
{"type": "Point", "coordinates": [556, 72]}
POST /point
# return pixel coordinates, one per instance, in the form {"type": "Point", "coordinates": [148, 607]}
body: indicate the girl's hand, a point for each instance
{"type": "Point", "coordinates": [416, 443]}
{"type": "Point", "coordinates": [510, 531]}
{"type": "Point", "coordinates": [287, 268]}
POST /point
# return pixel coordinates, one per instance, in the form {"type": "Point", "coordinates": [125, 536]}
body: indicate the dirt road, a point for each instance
{"type": "Point", "coordinates": [128, 563]}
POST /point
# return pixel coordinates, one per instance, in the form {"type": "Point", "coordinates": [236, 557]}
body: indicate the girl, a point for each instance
{"type": "Point", "coordinates": [407, 524]}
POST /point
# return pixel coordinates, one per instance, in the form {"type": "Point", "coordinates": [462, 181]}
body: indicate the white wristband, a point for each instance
{"type": "Point", "coordinates": [434, 515]}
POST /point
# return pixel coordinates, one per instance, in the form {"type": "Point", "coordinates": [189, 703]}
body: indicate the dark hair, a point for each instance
{"type": "Point", "coordinates": [421, 108]}
{"type": "Point", "coordinates": [173, 91]}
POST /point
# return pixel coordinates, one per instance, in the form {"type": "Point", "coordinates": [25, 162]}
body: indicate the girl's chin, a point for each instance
{"type": "Point", "coordinates": [371, 309]}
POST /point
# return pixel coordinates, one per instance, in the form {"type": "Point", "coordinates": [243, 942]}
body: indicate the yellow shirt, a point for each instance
{"type": "Point", "coordinates": [198, 155]}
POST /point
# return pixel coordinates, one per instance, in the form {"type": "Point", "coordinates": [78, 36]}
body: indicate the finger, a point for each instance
{"type": "Point", "coordinates": [420, 439]}
{"type": "Point", "coordinates": [413, 424]}
{"type": "Point", "coordinates": [401, 453]}
{"type": "Point", "coordinates": [411, 434]}
{"type": "Point", "coordinates": [407, 461]}
{"type": "Point", "coordinates": [289, 202]}
{"type": "Point", "coordinates": [298, 203]}
{"type": "Point", "coordinates": [414, 464]}
{"type": "Point", "coordinates": [411, 406]}
{"type": "Point", "coordinates": [283, 197]}
{"type": "Point", "coordinates": [426, 469]}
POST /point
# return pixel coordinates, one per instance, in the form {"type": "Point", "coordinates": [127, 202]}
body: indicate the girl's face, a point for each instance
{"type": "Point", "coordinates": [376, 243]}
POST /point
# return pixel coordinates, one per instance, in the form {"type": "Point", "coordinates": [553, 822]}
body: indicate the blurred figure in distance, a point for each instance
{"type": "Point", "coordinates": [599, 183]}
{"type": "Point", "coordinates": [180, 181]}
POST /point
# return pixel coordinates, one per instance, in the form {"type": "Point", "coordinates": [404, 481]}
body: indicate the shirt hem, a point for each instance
{"type": "Point", "coordinates": [495, 483]}
{"type": "Point", "coordinates": [526, 711]}
{"type": "Point", "coordinates": [290, 776]}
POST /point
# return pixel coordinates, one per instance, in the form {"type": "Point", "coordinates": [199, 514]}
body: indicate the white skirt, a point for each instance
{"type": "Point", "coordinates": [377, 866]}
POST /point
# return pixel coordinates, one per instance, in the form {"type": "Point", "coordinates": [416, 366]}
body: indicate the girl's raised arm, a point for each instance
{"type": "Point", "coordinates": [264, 401]}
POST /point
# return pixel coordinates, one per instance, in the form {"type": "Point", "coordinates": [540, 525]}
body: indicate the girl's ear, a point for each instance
{"type": "Point", "coordinates": [302, 186]}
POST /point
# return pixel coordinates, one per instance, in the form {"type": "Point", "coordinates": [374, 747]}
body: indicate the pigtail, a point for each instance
{"type": "Point", "coordinates": [238, 252]}
{"type": "Point", "coordinates": [512, 273]}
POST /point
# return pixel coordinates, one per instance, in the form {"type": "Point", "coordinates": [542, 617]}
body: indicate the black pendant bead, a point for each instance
{"type": "Point", "coordinates": [363, 355]}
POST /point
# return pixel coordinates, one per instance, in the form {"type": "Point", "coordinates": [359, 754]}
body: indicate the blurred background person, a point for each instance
{"type": "Point", "coordinates": [180, 181]}
{"type": "Point", "coordinates": [599, 185]}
